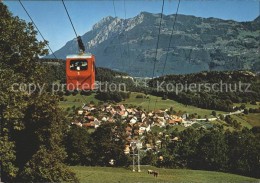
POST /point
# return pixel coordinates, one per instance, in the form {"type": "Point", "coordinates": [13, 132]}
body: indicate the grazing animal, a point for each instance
{"type": "Point", "coordinates": [155, 173]}
{"type": "Point", "coordinates": [150, 171]}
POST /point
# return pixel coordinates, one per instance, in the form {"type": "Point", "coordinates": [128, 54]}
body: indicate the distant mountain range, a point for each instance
{"type": "Point", "coordinates": [197, 44]}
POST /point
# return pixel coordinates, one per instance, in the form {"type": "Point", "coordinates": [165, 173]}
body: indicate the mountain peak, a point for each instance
{"type": "Point", "coordinates": [105, 21]}
{"type": "Point", "coordinates": [198, 44]}
{"type": "Point", "coordinates": [108, 18]}
{"type": "Point", "coordinates": [145, 13]}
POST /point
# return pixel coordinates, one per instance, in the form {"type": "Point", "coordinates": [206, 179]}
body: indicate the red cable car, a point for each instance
{"type": "Point", "coordinates": [80, 71]}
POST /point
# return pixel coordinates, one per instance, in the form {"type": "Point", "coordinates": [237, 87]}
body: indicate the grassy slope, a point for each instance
{"type": "Point", "coordinates": [252, 119]}
{"type": "Point", "coordinates": [248, 105]}
{"type": "Point", "coordinates": [161, 104]}
{"type": "Point", "coordinates": [242, 121]}
{"type": "Point", "coordinates": [77, 100]}
{"type": "Point", "coordinates": [248, 120]}
{"type": "Point", "coordinates": [166, 104]}
{"type": "Point", "coordinates": [108, 174]}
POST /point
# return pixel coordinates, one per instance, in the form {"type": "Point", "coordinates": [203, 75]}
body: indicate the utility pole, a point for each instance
{"type": "Point", "coordinates": [133, 145]}
{"type": "Point", "coordinates": [136, 144]}
{"type": "Point", "coordinates": [138, 148]}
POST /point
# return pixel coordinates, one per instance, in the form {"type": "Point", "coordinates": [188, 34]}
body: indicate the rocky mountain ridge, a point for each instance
{"type": "Point", "coordinates": [197, 44]}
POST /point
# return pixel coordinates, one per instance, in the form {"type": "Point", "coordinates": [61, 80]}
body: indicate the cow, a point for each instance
{"type": "Point", "coordinates": [150, 171]}
{"type": "Point", "coordinates": [155, 173]}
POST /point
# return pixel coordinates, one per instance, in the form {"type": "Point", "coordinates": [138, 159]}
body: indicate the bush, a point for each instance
{"type": "Point", "coordinates": [112, 96]}
{"type": "Point", "coordinates": [139, 96]}
{"type": "Point", "coordinates": [245, 111]}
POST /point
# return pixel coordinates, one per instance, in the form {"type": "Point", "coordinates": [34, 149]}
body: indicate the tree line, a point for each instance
{"type": "Point", "coordinates": [215, 100]}
{"type": "Point", "coordinates": [32, 126]}
{"type": "Point", "coordinates": [106, 143]}
{"type": "Point", "coordinates": [212, 149]}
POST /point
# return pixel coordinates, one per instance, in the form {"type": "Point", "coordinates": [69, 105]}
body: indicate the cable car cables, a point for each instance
{"type": "Point", "coordinates": [118, 37]}
{"type": "Point", "coordinates": [175, 18]}
{"type": "Point", "coordinates": [80, 43]}
{"type": "Point", "coordinates": [157, 45]}
{"type": "Point", "coordinates": [127, 41]}
{"type": "Point", "coordinates": [168, 49]}
{"type": "Point", "coordinates": [37, 28]}
{"type": "Point", "coordinates": [158, 39]}
{"type": "Point", "coordinates": [69, 18]}
{"type": "Point", "coordinates": [41, 35]}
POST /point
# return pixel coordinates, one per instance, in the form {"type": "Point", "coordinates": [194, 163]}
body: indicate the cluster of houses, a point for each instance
{"type": "Point", "coordinates": [138, 121]}
{"type": "Point", "coordinates": [145, 120]}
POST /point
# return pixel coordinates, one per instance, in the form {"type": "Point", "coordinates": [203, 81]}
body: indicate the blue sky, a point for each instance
{"type": "Point", "coordinates": [51, 18]}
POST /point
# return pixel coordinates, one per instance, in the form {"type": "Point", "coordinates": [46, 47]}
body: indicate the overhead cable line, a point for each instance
{"type": "Point", "coordinates": [41, 34]}
{"type": "Point", "coordinates": [158, 39]}
{"type": "Point", "coordinates": [114, 8]}
{"type": "Point", "coordinates": [69, 18]}
{"type": "Point", "coordinates": [168, 49]}
{"type": "Point", "coordinates": [37, 28]}
{"type": "Point", "coordinates": [157, 45]}
{"type": "Point", "coordinates": [175, 18]}
{"type": "Point", "coordinates": [80, 43]}
{"type": "Point", "coordinates": [127, 40]}
{"type": "Point", "coordinates": [118, 37]}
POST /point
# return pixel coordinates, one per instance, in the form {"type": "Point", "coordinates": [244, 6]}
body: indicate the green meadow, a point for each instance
{"type": "Point", "coordinates": [110, 175]}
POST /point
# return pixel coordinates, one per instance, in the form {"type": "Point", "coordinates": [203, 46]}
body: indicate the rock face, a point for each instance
{"type": "Point", "coordinates": [197, 44]}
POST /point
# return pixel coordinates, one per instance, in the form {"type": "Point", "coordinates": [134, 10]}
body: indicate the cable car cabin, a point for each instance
{"type": "Point", "coordinates": [80, 72]}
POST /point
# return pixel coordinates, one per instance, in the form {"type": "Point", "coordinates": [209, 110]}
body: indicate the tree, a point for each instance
{"type": "Point", "coordinates": [243, 106]}
{"type": "Point", "coordinates": [108, 142]}
{"type": "Point", "coordinates": [245, 111]}
{"type": "Point", "coordinates": [212, 151]}
{"type": "Point", "coordinates": [228, 119]}
{"type": "Point", "coordinates": [32, 125]}
{"type": "Point", "coordinates": [165, 97]}
{"type": "Point", "coordinates": [77, 146]}
{"type": "Point", "coordinates": [214, 113]}
{"type": "Point", "coordinates": [149, 158]}
{"type": "Point", "coordinates": [221, 117]}
{"type": "Point", "coordinates": [243, 152]}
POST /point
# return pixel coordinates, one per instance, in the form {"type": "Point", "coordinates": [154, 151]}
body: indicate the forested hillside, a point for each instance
{"type": "Point", "coordinates": [209, 89]}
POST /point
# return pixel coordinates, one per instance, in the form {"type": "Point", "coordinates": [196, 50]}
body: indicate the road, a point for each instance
{"type": "Point", "coordinates": [228, 114]}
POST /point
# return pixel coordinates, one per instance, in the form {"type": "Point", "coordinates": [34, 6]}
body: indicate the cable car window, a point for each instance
{"type": "Point", "coordinates": [78, 65]}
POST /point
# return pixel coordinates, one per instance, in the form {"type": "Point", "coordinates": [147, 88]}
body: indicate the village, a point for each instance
{"type": "Point", "coordinates": [139, 122]}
